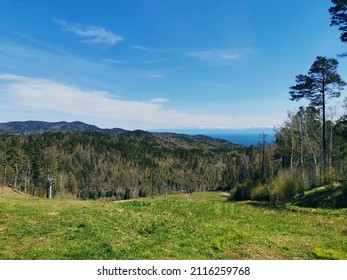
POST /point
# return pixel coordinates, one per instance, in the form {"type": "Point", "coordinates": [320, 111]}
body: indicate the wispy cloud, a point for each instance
{"type": "Point", "coordinates": [107, 60]}
{"type": "Point", "coordinates": [92, 34]}
{"type": "Point", "coordinates": [159, 100]}
{"type": "Point", "coordinates": [140, 48]}
{"type": "Point", "coordinates": [39, 97]}
{"type": "Point", "coordinates": [215, 57]}
{"type": "Point", "coordinates": [154, 50]}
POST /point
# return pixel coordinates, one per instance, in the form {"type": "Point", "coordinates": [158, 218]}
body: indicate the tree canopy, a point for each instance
{"type": "Point", "coordinates": [322, 81]}
{"type": "Point", "coordinates": [339, 17]}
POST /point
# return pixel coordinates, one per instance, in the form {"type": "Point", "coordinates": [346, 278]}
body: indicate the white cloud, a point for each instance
{"type": "Point", "coordinates": [147, 49]}
{"type": "Point", "coordinates": [214, 56]}
{"type": "Point", "coordinates": [93, 34]}
{"type": "Point", "coordinates": [159, 100]}
{"type": "Point", "coordinates": [36, 97]}
{"type": "Point", "coordinates": [140, 48]}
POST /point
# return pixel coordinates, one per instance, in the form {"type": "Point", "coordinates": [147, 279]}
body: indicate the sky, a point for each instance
{"type": "Point", "coordinates": [160, 64]}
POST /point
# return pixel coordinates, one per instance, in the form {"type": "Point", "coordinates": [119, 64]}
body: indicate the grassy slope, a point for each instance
{"type": "Point", "coordinates": [201, 226]}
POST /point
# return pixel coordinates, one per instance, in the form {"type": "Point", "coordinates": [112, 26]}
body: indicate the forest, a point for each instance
{"type": "Point", "coordinates": [91, 165]}
{"type": "Point", "coordinates": [97, 165]}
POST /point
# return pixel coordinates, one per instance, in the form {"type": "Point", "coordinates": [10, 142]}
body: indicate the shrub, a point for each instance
{"type": "Point", "coordinates": [329, 177]}
{"type": "Point", "coordinates": [241, 191]}
{"type": "Point", "coordinates": [285, 187]}
{"type": "Point", "coordinates": [260, 193]}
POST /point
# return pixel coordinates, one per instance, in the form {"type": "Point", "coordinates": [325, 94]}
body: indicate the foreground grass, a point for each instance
{"type": "Point", "coordinates": [201, 226]}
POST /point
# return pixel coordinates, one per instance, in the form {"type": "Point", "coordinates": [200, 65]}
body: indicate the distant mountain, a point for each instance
{"type": "Point", "coordinates": [167, 139]}
{"type": "Point", "coordinates": [189, 141]}
{"type": "Point", "coordinates": [35, 127]}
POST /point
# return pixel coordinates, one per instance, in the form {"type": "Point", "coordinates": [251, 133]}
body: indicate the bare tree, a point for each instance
{"type": "Point", "coordinates": [166, 190]}
{"type": "Point", "coordinates": [331, 116]}
{"type": "Point", "coordinates": [263, 143]}
{"type": "Point", "coordinates": [28, 175]}
{"type": "Point", "coordinates": [50, 179]}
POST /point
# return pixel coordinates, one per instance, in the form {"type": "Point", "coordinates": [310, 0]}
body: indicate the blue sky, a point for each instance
{"type": "Point", "coordinates": [160, 64]}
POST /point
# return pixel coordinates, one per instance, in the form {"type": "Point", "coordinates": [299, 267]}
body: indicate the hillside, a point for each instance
{"type": "Point", "coordinates": [34, 127]}
{"type": "Point", "coordinates": [116, 166]}
{"type": "Point", "coordinates": [171, 139]}
{"type": "Point", "coordinates": [199, 226]}
{"type": "Point", "coordinates": [198, 141]}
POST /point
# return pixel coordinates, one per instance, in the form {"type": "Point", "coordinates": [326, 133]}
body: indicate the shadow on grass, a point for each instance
{"type": "Point", "coordinates": [328, 197]}
{"type": "Point", "coordinates": [332, 197]}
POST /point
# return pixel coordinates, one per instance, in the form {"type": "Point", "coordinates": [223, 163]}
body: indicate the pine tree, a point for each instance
{"type": "Point", "coordinates": [321, 83]}
{"type": "Point", "coordinates": [339, 17]}
{"type": "Point", "coordinates": [14, 157]}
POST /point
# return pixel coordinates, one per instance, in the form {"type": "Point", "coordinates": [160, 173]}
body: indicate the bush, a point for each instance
{"type": "Point", "coordinates": [329, 177]}
{"type": "Point", "coordinates": [285, 187]}
{"type": "Point", "coordinates": [241, 191]}
{"type": "Point", "coordinates": [261, 193]}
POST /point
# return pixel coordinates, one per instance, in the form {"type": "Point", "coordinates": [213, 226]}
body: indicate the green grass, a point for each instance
{"type": "Point", "coordinates": [200, 226]}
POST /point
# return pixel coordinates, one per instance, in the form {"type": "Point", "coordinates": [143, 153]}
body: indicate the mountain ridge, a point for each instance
{"type": "Point", "coordinates": [35, 127]}
{"type": "Point", "coordinates": [167, 138]}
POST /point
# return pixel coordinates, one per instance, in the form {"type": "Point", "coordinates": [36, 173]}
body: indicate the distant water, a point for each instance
{"type": "Point", "coordinates": [246, 139]}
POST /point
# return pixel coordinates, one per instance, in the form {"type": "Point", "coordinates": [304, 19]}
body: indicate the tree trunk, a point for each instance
{"type": "Point", "coordinates": [301, 163]}
{"type": "Point", "coordinates": [5, 171]}
{"type": "Point", "coordinates": [263, 155]}
{"type": "Point", "coordinates": [292, 152]}
{"type": "Point", "coordinates": [324, 140]}
{"type": "Point", "coordinates": [16, 176]}
{"type": "Point", "coordinates": [330, 145]}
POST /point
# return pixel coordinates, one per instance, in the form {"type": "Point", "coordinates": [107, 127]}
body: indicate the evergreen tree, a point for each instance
{"type": "Point", "coordinates": [339, 17]}
{"type": "Point", "coordinates": [321, 83]}
{"type": "Point", "coordinates": [34, 151]}
{"type": "Point", "coordinates": [72, 186]}
{"type": "Point", "coordinates": [14, 158]}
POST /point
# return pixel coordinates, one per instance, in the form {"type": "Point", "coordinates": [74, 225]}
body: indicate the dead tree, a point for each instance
{"type": "Point", "coordinates": [50, 179]}
{"type": "Point", "coordinates": [166, 190]}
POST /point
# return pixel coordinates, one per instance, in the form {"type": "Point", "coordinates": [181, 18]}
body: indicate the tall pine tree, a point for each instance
{"type": "Point", "coordinates": [339, 17]}
{"type": "Point", "coordinates": [321, 83]}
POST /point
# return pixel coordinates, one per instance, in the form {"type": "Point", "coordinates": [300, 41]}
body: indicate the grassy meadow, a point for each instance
{"type": "Point", "coordinates": [201, 226]}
